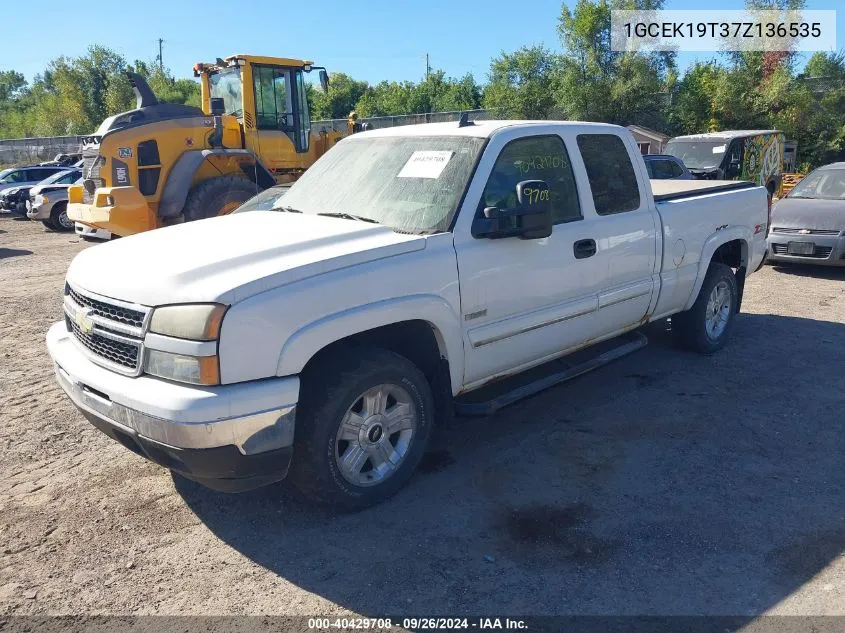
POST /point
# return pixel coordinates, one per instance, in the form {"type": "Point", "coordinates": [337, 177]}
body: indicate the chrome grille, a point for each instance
{"type": "Point", "coordinates": [118, 352]}
{"type": "Point", "coordinates": [135, 318]}
{"type": "Point", "coordinates": [92, 162]}
{"type": "Point", "coordinates": [789, 231]}
{"type": "Point", "coordinates": [110, 331]}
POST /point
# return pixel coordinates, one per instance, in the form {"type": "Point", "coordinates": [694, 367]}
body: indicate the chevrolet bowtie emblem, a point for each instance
{"type": "Point", "coordinates": [83, 320]}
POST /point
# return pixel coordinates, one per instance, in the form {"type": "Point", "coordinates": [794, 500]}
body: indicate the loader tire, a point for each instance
{"type": "Point", "coordinates": [218, 196]}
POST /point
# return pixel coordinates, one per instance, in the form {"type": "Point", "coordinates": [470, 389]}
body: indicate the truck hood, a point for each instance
{"type": "Point", "coordinates": [48, 189]}
{"type": "Point", "coordinates": [229, 259]}
{"type": "Point", "coordinates": [807, 213]}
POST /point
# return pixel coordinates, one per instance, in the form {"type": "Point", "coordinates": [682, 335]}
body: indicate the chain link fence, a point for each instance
{"type": "Point", "coordinates": [29, 151]}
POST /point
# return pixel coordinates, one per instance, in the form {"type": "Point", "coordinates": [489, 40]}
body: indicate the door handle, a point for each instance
{"type": "Point", "coordinates": [584, 248]}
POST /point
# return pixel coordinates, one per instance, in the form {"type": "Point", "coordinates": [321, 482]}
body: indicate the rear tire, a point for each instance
{"type": "Point", "coordinates": [707, 325]}
{"type": "Point", "coordinates": [48, 225]}
{"type": "Point", "coordinates": [59, 219]}
{"type": "Point", "coordinates": [218, 196]}
{"type": "Point", "coordinates": [363, 422]}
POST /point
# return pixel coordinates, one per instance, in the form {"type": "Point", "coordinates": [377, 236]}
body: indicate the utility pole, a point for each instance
{"type": "Point", "coordinates": [160, 60]}
{"type": "Point", "coordinates": [427, 67]}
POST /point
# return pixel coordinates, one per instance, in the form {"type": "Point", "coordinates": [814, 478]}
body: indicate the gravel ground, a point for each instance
{"type": "Point", "coordinates": [664, 483]}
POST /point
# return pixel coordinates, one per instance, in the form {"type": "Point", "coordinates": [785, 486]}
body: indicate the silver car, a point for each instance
{"type": "Point", "coordinates": [48, 200]}
{"type": "Point", "coordinates": [808, 224]}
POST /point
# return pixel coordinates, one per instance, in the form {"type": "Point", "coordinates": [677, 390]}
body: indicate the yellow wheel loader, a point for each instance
{"type": "Point", "coordinates": [163, 164]}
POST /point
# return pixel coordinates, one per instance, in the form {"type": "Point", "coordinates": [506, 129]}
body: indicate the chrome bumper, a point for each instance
{"type": "Point", "coordinates": [251, 434]}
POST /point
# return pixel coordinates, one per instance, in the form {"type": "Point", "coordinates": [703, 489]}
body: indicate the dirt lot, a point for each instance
{"type": "Point", "coordinates": [666, 483]}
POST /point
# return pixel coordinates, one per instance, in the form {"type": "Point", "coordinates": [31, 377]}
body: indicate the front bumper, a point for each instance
{"type": "Point", "coordinates": [39, 212]}
{"type": "Point", "coordinates": [829, 250]}
{"type": "Point", "coordinates": [228, 438]}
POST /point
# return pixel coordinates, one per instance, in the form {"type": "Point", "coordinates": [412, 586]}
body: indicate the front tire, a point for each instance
{"type": "Point", "coordinates": [707, 325]}
{"type": "Point", "coordinates": [362, 426]}
{"type": "Point", "coordinates": [218, 196]}
{"type": "Point", "coordinates": [59, 219]}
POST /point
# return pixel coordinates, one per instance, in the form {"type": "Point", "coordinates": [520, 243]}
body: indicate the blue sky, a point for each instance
{"type": "Point", "coordinates": [382, 40]}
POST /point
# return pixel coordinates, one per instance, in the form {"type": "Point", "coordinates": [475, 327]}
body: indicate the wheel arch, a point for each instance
{"type": "Point", "coordinates": [729, 246]}
{"type": "Point", "coordinates": [175, 192]}
{"type": "Point", "coordinates": [431, 339]}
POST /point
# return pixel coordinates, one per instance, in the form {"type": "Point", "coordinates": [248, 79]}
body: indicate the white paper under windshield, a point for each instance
{"type": "Point", "coordinates": [425, 164]}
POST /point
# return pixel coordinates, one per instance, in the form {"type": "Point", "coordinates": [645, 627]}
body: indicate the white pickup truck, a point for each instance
{"type": "Point", "coordinates": [404, 273]}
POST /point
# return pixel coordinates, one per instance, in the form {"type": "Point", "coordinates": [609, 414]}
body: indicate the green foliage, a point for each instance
{"type": "Point", "coordinates": [341, 98]}
{"type": "Point", "coordinates": [74, 95]}
{"type": "Point", "coordinates": [522, 83]}
{"type": "Point", "coordinates": [438, 93]}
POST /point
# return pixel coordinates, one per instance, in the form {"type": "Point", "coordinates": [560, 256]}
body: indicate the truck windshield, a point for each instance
{"type": "Point", "coordinates": [824, 184]}
{"type": "Point", "coordinates": [226, 84]}
{"type": "Point", "coordinates": [412, 184]}
{"type": "Point", "coordinates": [698, 154]}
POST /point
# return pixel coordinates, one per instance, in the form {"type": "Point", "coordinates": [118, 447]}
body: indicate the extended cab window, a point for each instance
{"type": "Point", "coordinates": [534, 158]}
{"type": "Point", "coordinates": [610, 172]}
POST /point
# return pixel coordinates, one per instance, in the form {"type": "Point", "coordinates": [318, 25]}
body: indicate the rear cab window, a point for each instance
{"type": "Point", "coordinates": [534, 158]}
{"type": "Point", "coordinates": [610, 172]}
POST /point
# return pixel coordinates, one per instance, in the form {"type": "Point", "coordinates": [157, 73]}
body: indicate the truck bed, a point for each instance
{"type": "Point", "coordinates": [676, 189]}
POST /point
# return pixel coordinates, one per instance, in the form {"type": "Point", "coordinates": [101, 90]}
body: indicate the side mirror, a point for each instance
{"type": "Point", "coordinates": [530, 220]}
{"type": "Point", "coordinates": [218, 106]}
{"type": "Point", "coordinates": [324, 80]}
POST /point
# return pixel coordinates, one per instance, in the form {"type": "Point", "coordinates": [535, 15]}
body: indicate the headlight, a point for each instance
{"type": "Point", "coordinates": [39, 199]}
{"type": "Point", "coordinates": [198, 321]}
{"type": "Point", "coordinates": [197, 370]}
{"type": "Point", "coordinates": [12, 192]}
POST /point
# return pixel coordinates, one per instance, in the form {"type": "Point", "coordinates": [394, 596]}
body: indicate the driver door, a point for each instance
{"type": "Point", "coordinates": [526, 300]}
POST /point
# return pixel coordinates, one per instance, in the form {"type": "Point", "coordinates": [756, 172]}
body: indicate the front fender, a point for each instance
{"type": "Point", "coordinates": [711, 244]}
{"type": "Point", "coordinates": [303, 344]}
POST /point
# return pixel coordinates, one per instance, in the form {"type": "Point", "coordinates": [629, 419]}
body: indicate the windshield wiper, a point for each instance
{"type": "Point", "coordinates": [349, 216]}
{"type": "Point", "coordinates": [288, 209]}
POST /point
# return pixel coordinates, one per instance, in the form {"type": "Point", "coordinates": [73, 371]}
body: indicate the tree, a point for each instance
{"type": "Point", "coordinates": [522, 83]}
{"type": "Point", "coordinates": [342, 96]}
{"type": "Point", "coordinates": [599, 84]}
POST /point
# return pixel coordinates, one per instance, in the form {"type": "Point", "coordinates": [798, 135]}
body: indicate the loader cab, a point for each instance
{"type": "Point", "coordinates": [267, 95]}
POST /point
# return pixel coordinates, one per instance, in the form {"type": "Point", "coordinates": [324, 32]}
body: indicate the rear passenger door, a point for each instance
{"type": "Point", "coordinates": [626, 230]}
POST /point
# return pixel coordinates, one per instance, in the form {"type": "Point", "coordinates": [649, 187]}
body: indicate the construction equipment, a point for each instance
{"type": "Point", "coordinates": [163, 164]}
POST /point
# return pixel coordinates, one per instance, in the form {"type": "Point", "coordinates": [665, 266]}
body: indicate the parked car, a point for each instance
{"type": "Point", "coordinates": [265, 200]}
{"type": "Point", "coordinates": [808, 224]}
{"type": "Point", "coordinates": [90, 234]}
{"type": "Point", "coordinates": [666, 167]}
{"type": "Point", "coordinates": [63, 160]}
{"type": "Point", "coordinates": [16, 182]}
{"type": "Point", "coordinates": [48, 200]}
{"type": "Point", "coordinates": [408, 268]}
{"type": "Point", "coordinates": [754, 155]}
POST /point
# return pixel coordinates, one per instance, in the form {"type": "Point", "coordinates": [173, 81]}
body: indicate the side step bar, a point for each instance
{"type": "Point", "coordinates": [504, 392]}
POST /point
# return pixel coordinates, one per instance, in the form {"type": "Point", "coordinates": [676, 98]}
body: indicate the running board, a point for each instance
{"type": "Point", "coordinates": [491, 398]}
